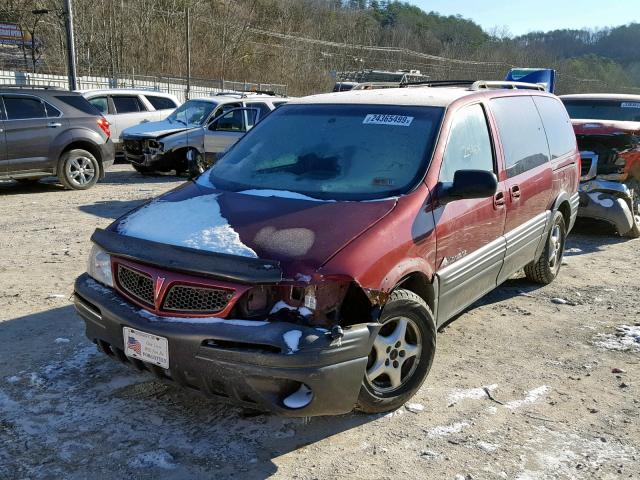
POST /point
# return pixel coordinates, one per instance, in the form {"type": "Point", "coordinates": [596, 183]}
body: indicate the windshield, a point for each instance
{"type": "Point", "coordinates": [341, 152]}
{"type": "Point", "coordinates": [192, 113]}
{"type": "Point", "coordinates": [604, 109]}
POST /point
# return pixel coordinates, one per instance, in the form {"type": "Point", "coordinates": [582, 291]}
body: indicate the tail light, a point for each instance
{"type": "Point", "coordinates": [104, 125]}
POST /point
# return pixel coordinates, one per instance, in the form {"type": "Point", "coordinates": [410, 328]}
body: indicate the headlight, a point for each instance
{"type": "Point", "coordinates": [155, 145]}
{"type": "Point", "coordinates": [99, 266]}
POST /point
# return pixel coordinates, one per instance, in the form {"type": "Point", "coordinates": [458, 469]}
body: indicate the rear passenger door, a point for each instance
{"type": "Point", "coordinates": [129, 110]}
{"type": "Point", "coordinates": [529, 178]}
{"type": "Point", "coordinates": [30, 127]}
{"type": "Point", "coordinates": [262, 111]}
{"type": "Point", "coordinates": [163, 106]}
{"type": "Point", "coordinates": [470, 245]}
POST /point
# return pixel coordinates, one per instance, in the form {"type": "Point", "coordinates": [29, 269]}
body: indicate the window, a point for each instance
{"type": "Point", "coordinates": [252, 115]}
{"type": "Point", "coordinates": [52, 112]}
{"type": "Point", "coordinates": [24, 108]}
{"type": "Point", "coordinates": [469, 145]}
{"type": "Point", "coordinates": [128, 104]}
{"type": "Point", "coordinates": [625, 110]}
{"type": "Point", "coordinates": [263, 108]}
{"type": "Point", "coordinates": [161, 103]}
{"type": "Point", "coordinates": [521, 133]}
{"type": "Point", "coordinates": [230, 122]}
{"type": "Point", "coordinates": [226, 107]}
{"type": "Point", "coordinates": [344, 152]}
{"type": "Point", "coordinates": [557, 126]}
{"type": "Point", "coordinates": [101, 104]}
{"type": "Point", "coordinates": [192, 112]}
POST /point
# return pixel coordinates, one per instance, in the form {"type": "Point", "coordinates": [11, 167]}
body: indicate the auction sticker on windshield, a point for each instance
{"type": "Point", "coordinates": [382, 119]}
{"type": "Point", "coordinates": [630, 105]}
{"type": "Point", "coordinates": [146, 347]}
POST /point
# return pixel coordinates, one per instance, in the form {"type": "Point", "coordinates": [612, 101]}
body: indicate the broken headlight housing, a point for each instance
{"type": "Point", "coordinates": [99, 266]}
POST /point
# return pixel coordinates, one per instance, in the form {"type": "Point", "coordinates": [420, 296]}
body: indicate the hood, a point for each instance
{"type": "Point", "coordinates": [153, 130]}
{"type": "Point", "coordinates": [604, 127]}
{"type": "Point", "coordinates": [300, 233]}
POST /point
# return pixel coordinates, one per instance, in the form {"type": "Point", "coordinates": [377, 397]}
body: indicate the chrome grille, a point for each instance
{"type": "Point", "coordinates": [185, 298]}
{"type": "Point", "coordinates": [136, 284]}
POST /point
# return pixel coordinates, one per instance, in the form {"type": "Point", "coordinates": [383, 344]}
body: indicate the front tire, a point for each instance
{"type": "Point", "coordinates": [546, 268]}
{"type": "Point", "coordinates": [635, 214]}
{"type": "Point", "coordinates": [78, 170]}
{"type": "Point", "coordinates": [401, 356]}
{"type": "Point", "coordinates": [196, 164]}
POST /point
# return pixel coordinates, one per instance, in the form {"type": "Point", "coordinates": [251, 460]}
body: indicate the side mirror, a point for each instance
{"type": "Point", "coordinates": [468, 184]}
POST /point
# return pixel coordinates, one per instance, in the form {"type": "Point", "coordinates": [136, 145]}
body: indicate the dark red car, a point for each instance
{"type": "Point", "coordinates": [607, 127]}
{"type": "Point", "coordinates": [307, 272]}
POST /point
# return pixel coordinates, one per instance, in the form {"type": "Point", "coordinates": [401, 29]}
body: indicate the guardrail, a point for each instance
{"type": "Point", "coordinates": [174, 85]}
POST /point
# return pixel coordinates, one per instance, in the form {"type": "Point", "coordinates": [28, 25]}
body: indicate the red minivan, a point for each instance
{"type": "Point", "coordinates": [308, 271]}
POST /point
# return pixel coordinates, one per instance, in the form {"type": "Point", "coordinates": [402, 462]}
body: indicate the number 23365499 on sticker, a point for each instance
{"type": "Point", "coordinates": [384, 119]}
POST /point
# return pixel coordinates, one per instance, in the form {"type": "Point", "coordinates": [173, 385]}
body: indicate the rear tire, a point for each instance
{"type": "Point", "coordinates": [546, 268]}
{"type": "Point", "coordinates": [402, 354]}
{"type": "Point", "coordinates": [78, 169]}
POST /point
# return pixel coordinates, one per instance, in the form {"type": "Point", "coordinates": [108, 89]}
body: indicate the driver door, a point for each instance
{"type": "Point", "coordinates": [227, 129]}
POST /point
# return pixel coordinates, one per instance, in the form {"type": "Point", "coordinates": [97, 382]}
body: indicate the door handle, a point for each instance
{"type": "Point", "coordinates": [54, 124]}
{"type": "Point", "coordinates": [515, 191]}
{"type": "Point", "coordinates": [498, 200]}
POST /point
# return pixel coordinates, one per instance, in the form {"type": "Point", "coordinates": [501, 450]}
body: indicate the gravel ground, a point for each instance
{"type": "Point", "coordinates": [529, 383]}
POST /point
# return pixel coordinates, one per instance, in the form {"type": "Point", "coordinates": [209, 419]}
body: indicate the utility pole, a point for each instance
{"type": "Point", "coordinates": [71, 49]}
{"type": "Point", "coordinates": [188, 33]}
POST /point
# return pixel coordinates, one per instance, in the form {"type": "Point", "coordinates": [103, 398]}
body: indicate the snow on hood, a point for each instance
{"type": "Point", "coordinates": [154, 129]}
{"type": "Point", "coordinates": [195, 222]}
{"type": "Point", "coordinates": [299, 233]}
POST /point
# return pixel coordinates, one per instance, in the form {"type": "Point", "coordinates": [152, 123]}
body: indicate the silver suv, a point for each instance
{"type": "Point", "coordinates": [196, 132]}
{"type": "Point", "coordinates": [46, 131]}
{"type": "Point", "coordinates": [124, 108]}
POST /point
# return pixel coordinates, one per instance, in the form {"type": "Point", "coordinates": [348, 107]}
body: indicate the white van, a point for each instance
{"type": "Point", "coordinates": [124, 108]}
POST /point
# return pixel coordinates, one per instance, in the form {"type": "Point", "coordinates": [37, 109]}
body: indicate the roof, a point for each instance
{"type": "Point", "coordinates": [131, 91]}
{"type": "Point", "coordinates": [417, 96]}
{"type": "Point", "coordinates": [601, 96]}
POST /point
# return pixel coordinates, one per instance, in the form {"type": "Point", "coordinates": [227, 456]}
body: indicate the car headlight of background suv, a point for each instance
{"type": "Point", "coordinates": [99, 266]}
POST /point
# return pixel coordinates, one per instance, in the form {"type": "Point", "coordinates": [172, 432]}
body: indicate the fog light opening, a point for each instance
{"type": "Point", "coordinates": [300, 398]}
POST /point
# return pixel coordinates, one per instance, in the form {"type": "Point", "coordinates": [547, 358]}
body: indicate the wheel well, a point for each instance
{"type": "Point", "coordinates": [565, 209]}
{"type": "Point", "coordinates": [419, 284]}
{"type": "Point", "coordinates": [89, 147]}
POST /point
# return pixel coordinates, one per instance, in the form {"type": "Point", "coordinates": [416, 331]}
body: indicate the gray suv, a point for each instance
{"type": "Point", "coordinates": [45, 131]}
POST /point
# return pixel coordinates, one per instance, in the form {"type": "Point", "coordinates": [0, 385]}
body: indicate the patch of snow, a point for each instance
{"type": "Point", "coordinates": [61, 340]}
{"type": "Point", "coordinates": [488, 447]}
{"type": "Point", "coordinates": [532, 396]}
{"type": "Point", "coordinates": [559, 301]}
{"type": "Point", "coordinates": [447, 429]}
{"type": "Point", "coordinates": [300, 398]}
{"type": "Point", "coordinates": [13, 379]}
{"type": "Point", "coordinates": [304, 311]}
{"type": "Point", "coordinates": [55, 295]}
{"type": "Point", "coordinates": [414, 407]}
{"type": "Point", "coordinates": [292, 339]}
{"type": "Point", "coordinates": [92, 284]}
{"type": "Point", "coordinates": [471, 393]}
{"type": "Point", "coordinates": [626, 338]}
{"type": "Point", "coordinates": [195, 223]}
{"type": "Point", "coordinates": [155, 458]}
{"type": "Point", "coordinates": [573, 250]}
{"type": "Point", "coordinates": [35, 380]}
{"type": "Point", "coordinates": [282, 194]}
{"type": "Point", "coordinates": [202, 320]}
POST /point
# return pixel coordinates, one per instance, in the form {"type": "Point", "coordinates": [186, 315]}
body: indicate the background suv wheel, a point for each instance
{"type": "Point", "coordinates": [78, 169]}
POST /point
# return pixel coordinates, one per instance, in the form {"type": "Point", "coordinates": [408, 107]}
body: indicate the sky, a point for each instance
{"type": "Point", "coordinates": [520, 16]}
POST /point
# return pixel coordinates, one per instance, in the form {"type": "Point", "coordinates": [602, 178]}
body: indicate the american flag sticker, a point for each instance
{"type": "Point", "coordinates": [134, 345]}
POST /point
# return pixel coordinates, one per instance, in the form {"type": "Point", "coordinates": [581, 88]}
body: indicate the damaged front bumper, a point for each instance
{"type": "Point", "coordinates": [607, 201]}
{"type": "Point", "coordinates": [253, 364]}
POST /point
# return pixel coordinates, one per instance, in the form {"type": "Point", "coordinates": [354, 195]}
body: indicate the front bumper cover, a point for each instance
{"type": "Point", "coordinates": [607, 201]}
{"type": "Point", "coordinates": [252, 366]}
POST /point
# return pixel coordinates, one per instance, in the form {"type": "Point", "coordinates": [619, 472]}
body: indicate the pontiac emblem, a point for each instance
{"type": "Point", "coordinates": [157, 290]}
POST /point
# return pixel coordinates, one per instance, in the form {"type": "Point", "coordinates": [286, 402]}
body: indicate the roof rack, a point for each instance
{"type": "Point", "coordinates": [376, 85]}
{"type": "Point", "coordinates": [438, 83]}
{"type": "Point", "coordinates": [32, 87]}
{"type": "Point", "coordinates": [486, 85]}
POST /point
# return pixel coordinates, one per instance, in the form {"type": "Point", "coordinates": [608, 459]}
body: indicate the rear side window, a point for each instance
{"type": "Point", "coordinates": [80, 103]}
{"type": "Point", "coordinates": [521, 133]}
{"type": "Point", "coordinates": [469, 145]}
{"type": "Point", "coordinates": [557, 125]}
{"type": "Point", "coordinates": [161, 103]}
{"type": "Point", "coordinates": [263, 108]}
{"type": "Point", "coordinates": [101, 103]}
{"type": "Point", "coordinates": [128, 104]}
{"type": "Point", "coordinates": [24, 107]}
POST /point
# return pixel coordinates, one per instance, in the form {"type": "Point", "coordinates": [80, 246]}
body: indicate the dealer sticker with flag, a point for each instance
{"type": "Point", "coordinates": [146, 347]}
{"type": "Point", "coordinates": [384, 119]}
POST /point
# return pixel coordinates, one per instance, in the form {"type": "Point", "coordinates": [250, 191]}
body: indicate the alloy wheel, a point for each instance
{"type": "Point", "coordinates": [395, 355]}
{"type": "Point", "coordinates": [80, 170]}
{"type": "Point", "coordinates": [555, 246]}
